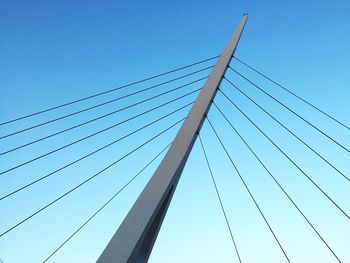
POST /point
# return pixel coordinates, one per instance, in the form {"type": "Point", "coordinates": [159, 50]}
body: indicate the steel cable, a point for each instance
{"type": "Point", "coordinates": [219, 197]}
{"type": "Point", "coordinates": [275, 180]}
{"type": "Point", "coordinates": [101, 104]}
{"type": "Point", "coordinates": [287, 129]}
{"type": "Point", "coordinates": [287, 156]}
{"type": "Point", "coordinates": [87, 180]}
{"type": "Point", "coordinates": [91, 153]}
{"type": "Point", "coordinates": [105, 204]}
{"type": "Point", "coordinates": [108, 91]}
{"type": "Point", "coordinates": [248, 190]}
{"type": "Point", "coordinates": [292, 111]}
{"type": "Point", "coordinates": [103, 116]}
{"type": "Point", "coordinates": [294, 94]}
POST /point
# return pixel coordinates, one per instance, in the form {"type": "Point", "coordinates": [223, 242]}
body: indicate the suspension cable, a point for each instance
{"type": "Point", "coordinates": [292, 111]}
{"type": "Point", "coordinates": [92, 153]}
{"type": "Point", "coordinates": [102, 104]}
{"type": "Point", "coordinates": [287, 156]}
{"type": "Point", "coordinates": [219, 197]}
{"type": "Point", "coordinates": [294, 94]}
{"type": "Point", "coordinates": [60, 148]}
{"type": "Point", "coordinates": [106, 203]}
{"type": "Point", "coordinates": [108, 91]}
{"type": "Point", "coordinates": [248, 190]}
{"type": "Point", "coordinates": [106, 115]}
{"type": "Point", "coordinates": [87, 180]}
{"type": "Point", "coordinates": [287, 129]}
{"type": "Point", "coordinates": [275, 180]}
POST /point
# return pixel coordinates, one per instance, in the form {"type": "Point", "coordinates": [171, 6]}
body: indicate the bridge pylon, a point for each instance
{"type": "Point", "coordinates": [135, 237]}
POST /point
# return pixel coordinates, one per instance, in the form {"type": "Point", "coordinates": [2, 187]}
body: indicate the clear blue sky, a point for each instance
{"type": "Point", "coordinates": [56, 51]}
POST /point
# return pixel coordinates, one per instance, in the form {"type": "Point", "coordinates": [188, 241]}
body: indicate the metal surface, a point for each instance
{"type": "Point", "coordinates": [134, 239]}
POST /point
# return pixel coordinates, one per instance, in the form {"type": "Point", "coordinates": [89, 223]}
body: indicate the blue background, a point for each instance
{"type": "Point", "coordinates": [56, 51]}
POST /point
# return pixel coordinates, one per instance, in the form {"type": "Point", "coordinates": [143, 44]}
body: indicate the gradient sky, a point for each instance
{"type": "Point", "coordinates": [56, 51]}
